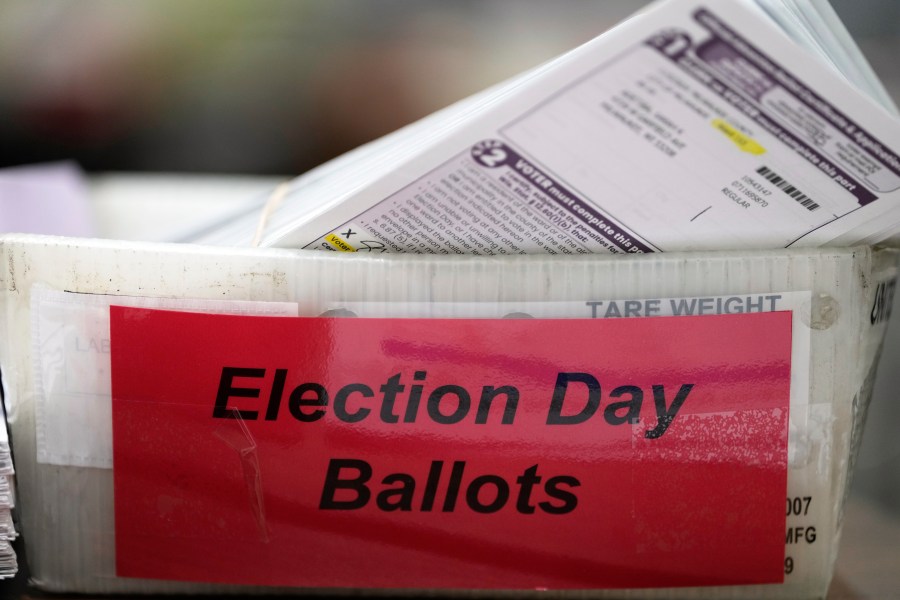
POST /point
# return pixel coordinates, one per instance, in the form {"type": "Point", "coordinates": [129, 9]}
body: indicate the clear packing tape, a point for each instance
{"type": "Point", "coordinates": [55, 361]}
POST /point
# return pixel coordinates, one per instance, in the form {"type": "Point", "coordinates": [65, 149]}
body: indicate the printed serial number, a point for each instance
{"type": "Point", "coordinates": [747, 188]}
{"type": "Point", "coordinates": [798, 505]}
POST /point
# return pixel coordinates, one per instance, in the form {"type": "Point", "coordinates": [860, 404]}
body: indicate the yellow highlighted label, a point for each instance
{"type": "Point", "coordinates": [742, 141]}
{"type": "Point", "coordinates": [338, 243]}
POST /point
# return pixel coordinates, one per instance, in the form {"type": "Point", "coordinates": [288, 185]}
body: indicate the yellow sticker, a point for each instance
{"type": "Point", "coordinates": [742, 141]}
{"type": "Point", "coordinates": [338, 243]}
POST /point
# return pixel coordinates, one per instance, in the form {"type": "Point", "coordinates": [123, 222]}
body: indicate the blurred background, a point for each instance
{"type": "Point", "coordinates": [277, 87]}
{"type": "Point", "coordinates": [235, 86]}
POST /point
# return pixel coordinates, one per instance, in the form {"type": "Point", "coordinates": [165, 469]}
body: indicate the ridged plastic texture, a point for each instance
{"type": "Point", "coordinates": [67, 512]}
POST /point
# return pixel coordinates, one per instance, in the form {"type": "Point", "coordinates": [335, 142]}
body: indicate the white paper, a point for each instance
{"type": "Point", "coordinates": [690, 127]}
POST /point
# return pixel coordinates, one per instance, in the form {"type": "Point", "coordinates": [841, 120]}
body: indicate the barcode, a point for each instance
{"type": "Point", "coordinates": [787, 188]}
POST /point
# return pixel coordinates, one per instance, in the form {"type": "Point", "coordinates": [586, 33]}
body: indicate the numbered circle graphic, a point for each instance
{"type": "Point", "coordinates": [672, 42]}
{"type": "Point", "coordinates": [490, 153]}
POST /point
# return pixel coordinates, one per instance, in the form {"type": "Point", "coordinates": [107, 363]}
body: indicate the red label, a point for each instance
{"type": "Point", "coordinates": [426, 453]}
